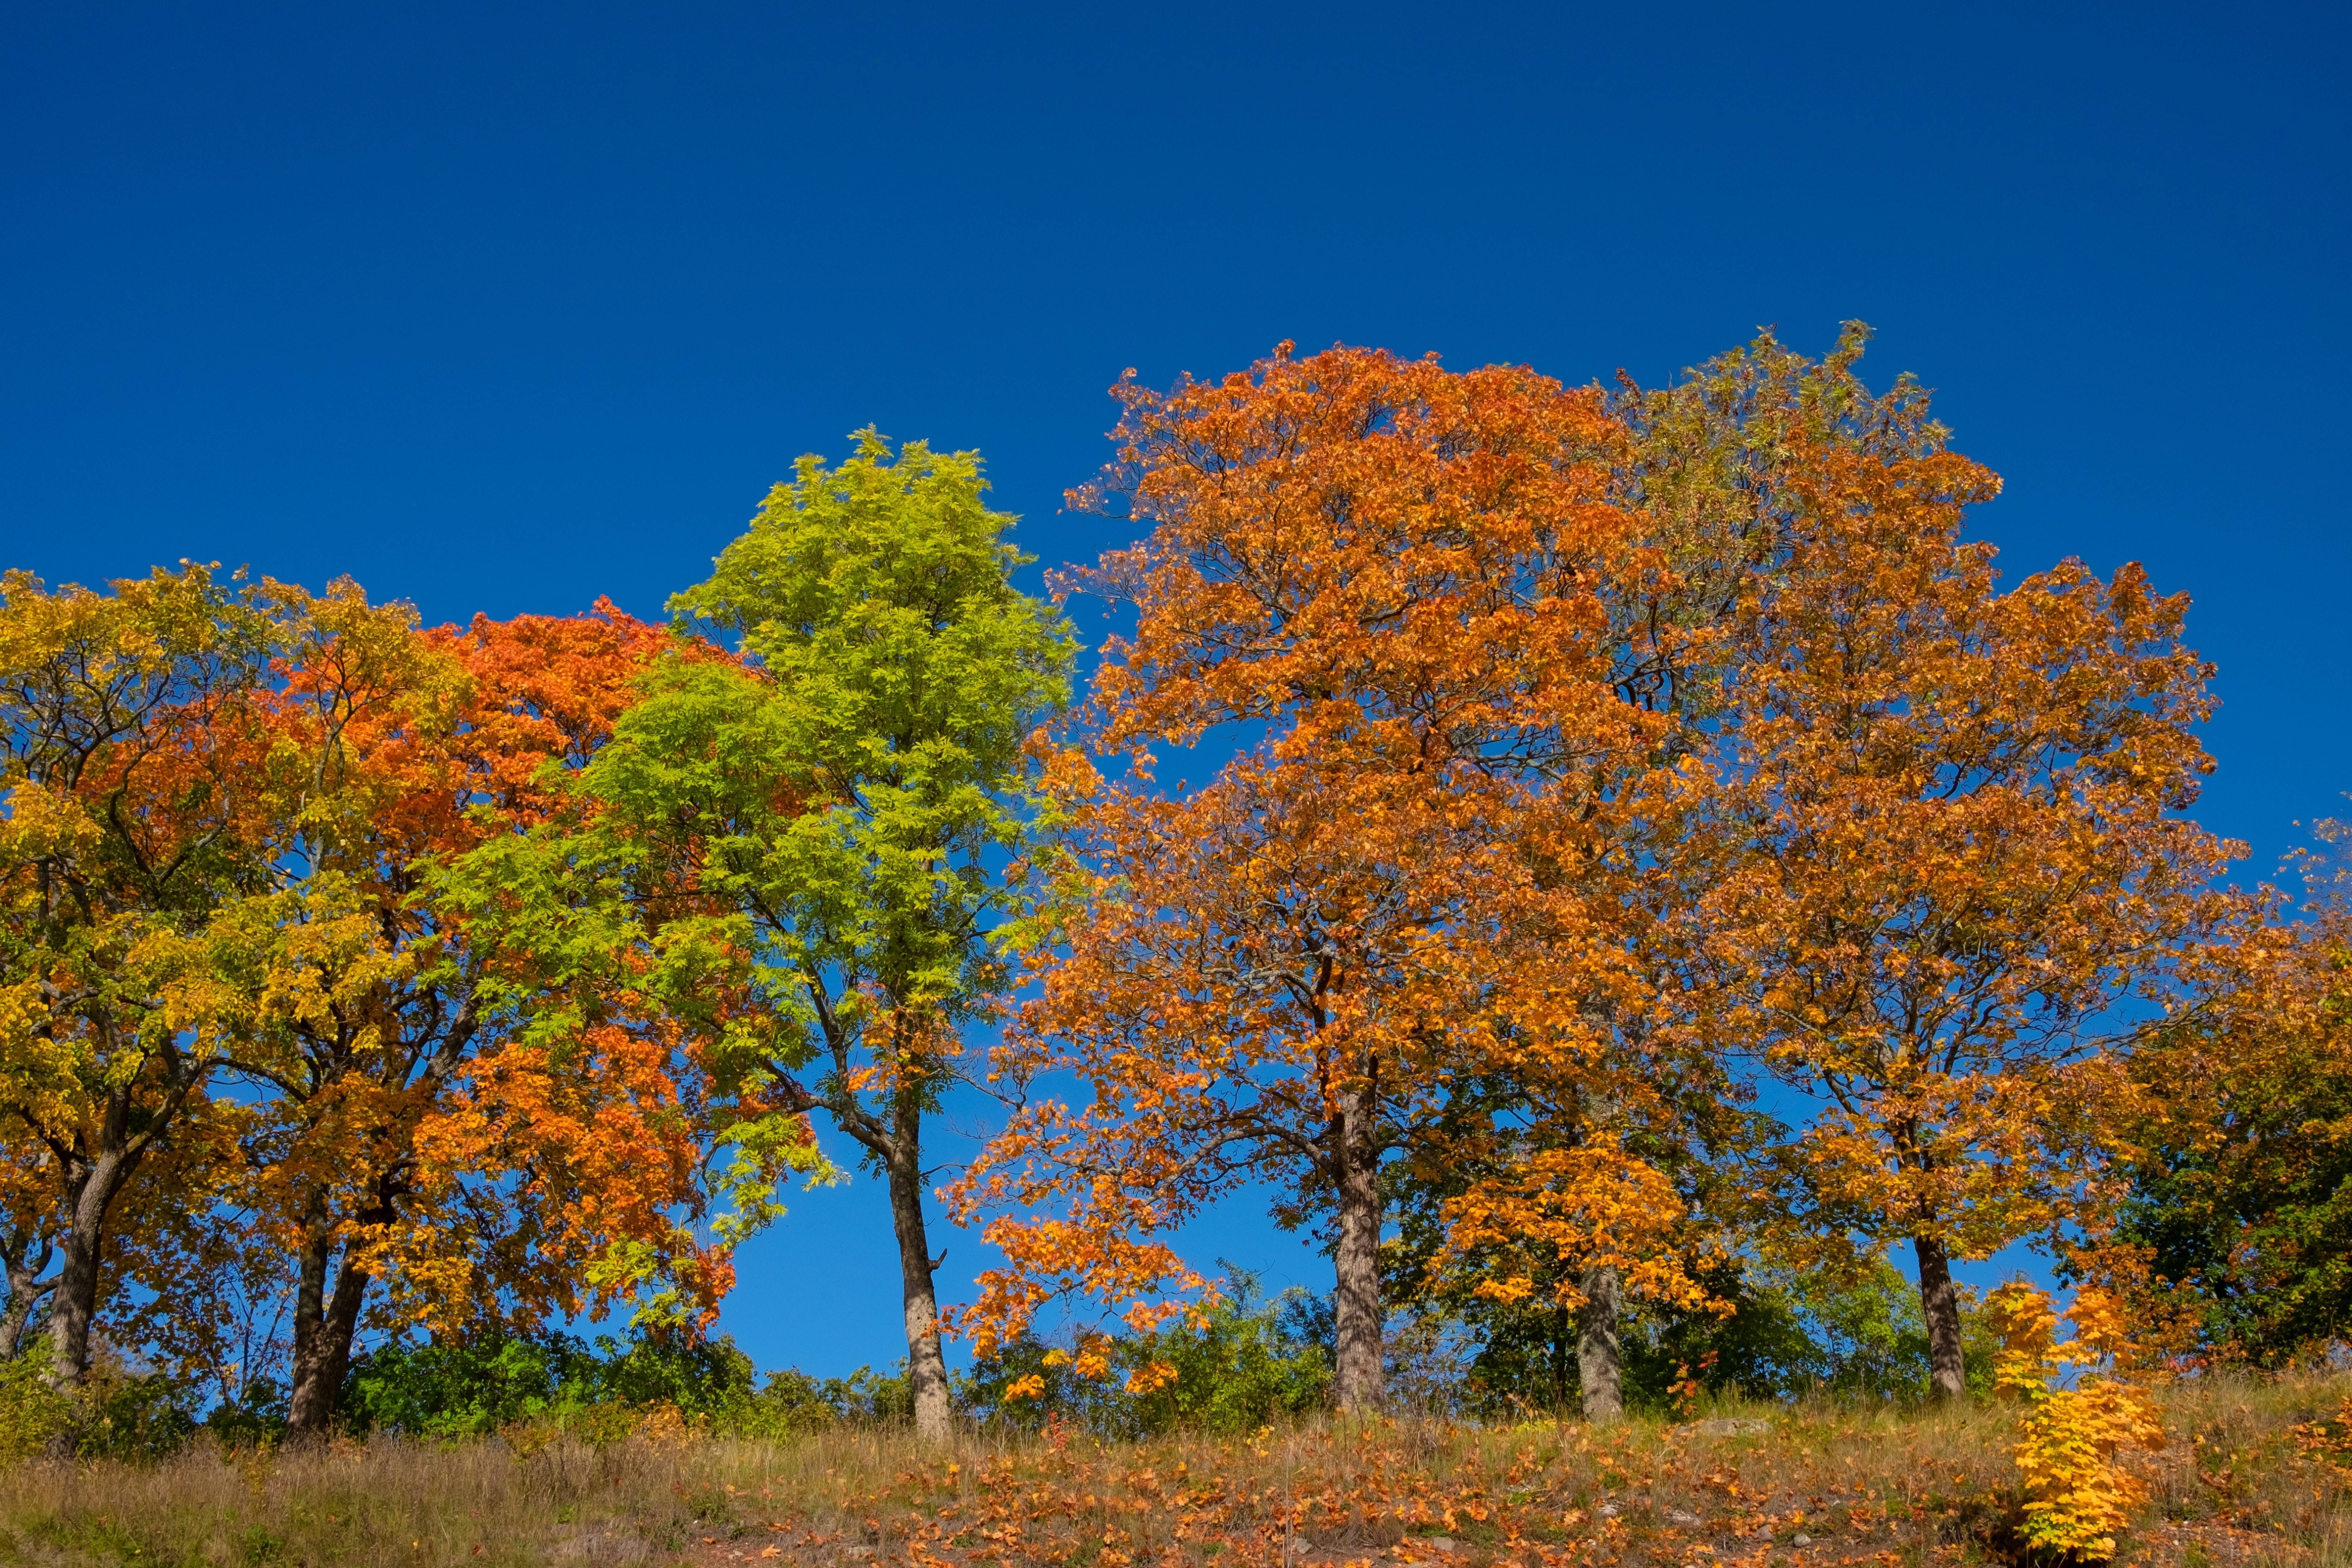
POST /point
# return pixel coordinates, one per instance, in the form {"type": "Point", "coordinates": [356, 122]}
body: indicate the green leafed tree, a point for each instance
{"type": "Point", "coordinates": [800, 855]}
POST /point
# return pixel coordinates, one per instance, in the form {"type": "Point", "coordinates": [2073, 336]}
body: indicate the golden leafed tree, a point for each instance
{"type": "Point", "coordinates": [135, 820]}
{"type": "Point", "coordinates": [1952, 874]}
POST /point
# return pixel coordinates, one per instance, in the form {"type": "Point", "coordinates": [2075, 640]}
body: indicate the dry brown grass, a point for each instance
{"type": "Point", "coordinates": [1758, 1487]}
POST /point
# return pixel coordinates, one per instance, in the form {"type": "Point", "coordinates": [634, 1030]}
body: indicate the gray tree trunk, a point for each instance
{"type": "Point", "coordinates": [1939, 1303]}
{"type": "Point", "coordinates": [1359, 1320]}
{"type": "Point", "coordinates": [1600, 1355]}
{"type": "Point", "coordinates": [926, 1367]}
{"type": "Point", "coordinates": [74, 1309]}
{"type": "Point", "coordinates": [91, 1181]}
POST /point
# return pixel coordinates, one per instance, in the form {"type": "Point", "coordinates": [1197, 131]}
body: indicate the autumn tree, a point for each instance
{"type": "Point", "coordinates": [1500, 1227]}
{"type": "Point", "coordinates": [414, 1134]}
{"type": "Point", "coordinates": [575, 1150]}
{"type": "Point", "coordinates": [1387, 588]}
{"type": "Point", "coordinates": [335, 1027]}
{"type": "Point", "coordinates": [800, 855]}
{"type": "Point", "coordinates": [183, 1272]}
{"type": "Point", "coordinates": [132, 745]}
{"type": "Point", "coordinates": [172, 1230]}
{"type": "Point", "coordinates": [2237, 1213]}
{"type": "Point", "coordinates": [1950, 859]}
{"type": "Point", "coordinates": [1699, 471]}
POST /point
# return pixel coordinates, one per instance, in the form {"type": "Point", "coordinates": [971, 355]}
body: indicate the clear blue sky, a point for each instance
{"type": "Point", "coordinates": [502, 307]}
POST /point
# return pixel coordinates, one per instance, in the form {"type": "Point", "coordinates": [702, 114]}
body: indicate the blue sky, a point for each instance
{"type": "Point", "coordinates": [500, 307]}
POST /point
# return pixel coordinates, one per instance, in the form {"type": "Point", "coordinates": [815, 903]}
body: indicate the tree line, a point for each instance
{"type": "Point", "coordinates": [1637, 839]}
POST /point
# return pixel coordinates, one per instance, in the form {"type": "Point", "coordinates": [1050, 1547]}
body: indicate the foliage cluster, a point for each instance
{"type": "Point", "coordinates": [116, 1414]}
{"type": "Point", "coordinates": [1247, 1363]}
{"type": "Point", "coordinates": [1790, 1335]}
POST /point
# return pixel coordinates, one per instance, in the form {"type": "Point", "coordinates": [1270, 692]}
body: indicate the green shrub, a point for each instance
{"type": "Point", "coordinates": [125, 1417]}
{"type": "Point", "coordinates": [470, 1388]}
{"type": "Point", "coordinates": [459, 1388]}
{"type": "Point", "coordinates": [33, 1415]}
{"type": "Point", "coordinates": [117, 1414]}
{"type": "Point", "coordinates": [704, 1379]}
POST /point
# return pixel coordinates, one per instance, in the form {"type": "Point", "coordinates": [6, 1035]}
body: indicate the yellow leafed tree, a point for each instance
{"type": "Point", "coordinates": [2076, 1495]}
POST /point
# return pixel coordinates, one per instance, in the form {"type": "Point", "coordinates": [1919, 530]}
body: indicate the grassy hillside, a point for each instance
{"type": "Point", "coordinates": [2253, 1473]}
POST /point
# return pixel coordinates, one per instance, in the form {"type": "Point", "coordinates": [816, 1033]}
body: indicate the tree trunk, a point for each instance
{"type": "Point", "coordinates": [927, 1368]}
{"type": "Point", "coordinates": [1357, 1304]}
{"type": "Point", "coordinates": [26, 1289]}
{"type": "Point", "coordinates": [92, 1182]}
{"type": "Point", "coordinates": [1562, 1345]}
{"type": "Point", "coordinates": [1940, 1304]}
{"type": "Point", "coordinates": [1600, 1347]}
{"type": "Point", "coordinates": [1600, 1355]}
{"type": "Point", "coordinates": [74, 1309]}
{"type": "Point", "coordinates": [324, 1323]}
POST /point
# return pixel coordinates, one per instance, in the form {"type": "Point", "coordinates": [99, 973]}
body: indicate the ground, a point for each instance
{"type": "Point", "coordinates": [2251, 1473]}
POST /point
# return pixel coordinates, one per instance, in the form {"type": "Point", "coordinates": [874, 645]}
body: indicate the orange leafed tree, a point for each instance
{"type": "Point", "coordinates": [572, 1151]}
{"type": "Point", "coordinates": [410, 1135]}
{"type": "Point", "coordinates": [1382, 584]}
{"type": "Point", "coordinates": [1953, 870]}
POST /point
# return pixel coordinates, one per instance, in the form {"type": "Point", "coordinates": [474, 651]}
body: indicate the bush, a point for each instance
{"type": "Point", "coordinates": [126, 1416]}
{"type": "Point", "coordinates": [599, 1393]}
{"type": "Point", "coordinates": [465, 1388]}
{"type": "Point", "coordinates": [705, 1380]}
{"type": "Point", "coordinates": [117, 1414]}
{"type": "Point", "coordinates": [33, 1415]}
{"type": "Point", "coordinates": [792, 1401]}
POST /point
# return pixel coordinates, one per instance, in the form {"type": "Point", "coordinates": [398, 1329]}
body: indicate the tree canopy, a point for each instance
{"type": "Point", "coordinates": [1612, 863]}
